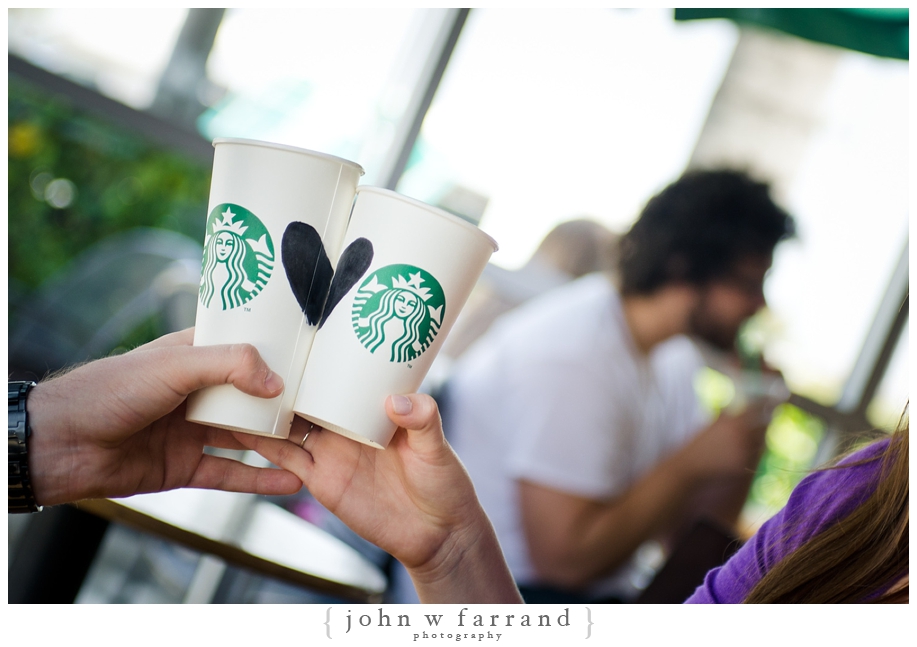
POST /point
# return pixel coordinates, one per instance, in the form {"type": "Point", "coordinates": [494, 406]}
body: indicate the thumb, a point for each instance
{"type": "Point", "coordinates": [189, 368]}
{"type": "Point", "coordinates": [419, 415]}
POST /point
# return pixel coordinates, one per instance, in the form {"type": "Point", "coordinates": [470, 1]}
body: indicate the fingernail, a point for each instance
{"type": "Point", "coordinates": [273, 382]}
{"type": "Point", "coordinates": [401, 405]}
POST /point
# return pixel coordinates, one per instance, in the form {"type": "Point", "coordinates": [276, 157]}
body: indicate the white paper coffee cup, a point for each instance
{"type": "Point", "coordinates": [767, 389]}
{"type": "Point", "coordinates": [384, 334]}
{"type": "Point", "coordinates": [257, 190]}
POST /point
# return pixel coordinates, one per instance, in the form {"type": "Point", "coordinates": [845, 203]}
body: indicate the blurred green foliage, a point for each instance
{"type": "Point", "coordinates": [792, 442]}
{"type": "Point", "coordinates": [74, 179]}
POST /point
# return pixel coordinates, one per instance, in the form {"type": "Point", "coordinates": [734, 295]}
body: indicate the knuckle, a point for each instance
{"type": "Point", "coordinates": [428, 409]}
{"type": "Point", "coordinates": [247, 355]}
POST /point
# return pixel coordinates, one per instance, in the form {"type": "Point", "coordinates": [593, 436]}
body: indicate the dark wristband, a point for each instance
{"type": "Point", "coordinates": [21, 497]}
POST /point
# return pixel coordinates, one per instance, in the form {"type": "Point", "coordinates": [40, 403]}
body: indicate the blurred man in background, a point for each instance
{"type": "Point", "coordinates": [576, 414]}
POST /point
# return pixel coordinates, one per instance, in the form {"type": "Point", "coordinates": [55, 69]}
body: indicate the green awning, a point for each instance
{"type": "Point", "coordinates": [881, 32]}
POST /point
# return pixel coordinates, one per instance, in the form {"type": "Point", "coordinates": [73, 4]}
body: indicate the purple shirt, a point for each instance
{"type": "Point", "coordinates": [820, 500]}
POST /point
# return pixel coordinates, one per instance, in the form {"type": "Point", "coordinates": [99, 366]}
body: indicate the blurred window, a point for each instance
{"type": "Point", "coordinates": [850, 199]}
{"type": "Point", "coordinates": [119, 52]}
{"type": "Point", "coordinates": [332, 80]}
{"type": "Point", "coordinates": [544, 115]}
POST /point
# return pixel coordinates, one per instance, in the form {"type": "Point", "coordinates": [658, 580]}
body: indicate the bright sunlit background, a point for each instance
{"type": "Point", "coordinates": [584, 113]}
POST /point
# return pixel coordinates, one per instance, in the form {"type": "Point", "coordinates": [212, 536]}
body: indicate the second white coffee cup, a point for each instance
{"type": "Point", "coordinates": [384, 334]}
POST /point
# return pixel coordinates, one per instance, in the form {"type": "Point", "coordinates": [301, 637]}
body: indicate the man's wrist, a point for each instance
{"type": "Point", "coordinates": [51, 455]}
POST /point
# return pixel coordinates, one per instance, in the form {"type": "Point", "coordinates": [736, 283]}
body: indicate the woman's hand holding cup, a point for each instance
{"type": "Point", "coordinates": [413, 499]}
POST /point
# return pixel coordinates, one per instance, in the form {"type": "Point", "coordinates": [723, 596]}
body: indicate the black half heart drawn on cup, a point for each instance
{"type": "Point", "coordinates": [318, 288]}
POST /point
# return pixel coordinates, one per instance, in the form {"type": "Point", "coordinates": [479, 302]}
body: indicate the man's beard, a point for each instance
{"type": "Point", "coordinates": [703, 325]}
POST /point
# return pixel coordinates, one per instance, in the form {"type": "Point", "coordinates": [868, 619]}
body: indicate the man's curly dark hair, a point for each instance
{"type": "Point", "coordinates": [697, 228]}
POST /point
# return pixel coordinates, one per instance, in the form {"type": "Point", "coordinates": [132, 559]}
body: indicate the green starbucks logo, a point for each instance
{"type": "Point", "coordinates": [398, 311]}
{"type": "Point", "coordinates": [238, 257]}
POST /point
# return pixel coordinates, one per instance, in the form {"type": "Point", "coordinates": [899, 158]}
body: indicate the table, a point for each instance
{"type": "Point", "coordinates": [247, 531]}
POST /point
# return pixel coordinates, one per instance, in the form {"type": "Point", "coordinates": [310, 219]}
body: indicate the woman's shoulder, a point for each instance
{"type": "Point", "coordinates": [853, 477]}
{"type": "Point", "coordinates": [827, 495]}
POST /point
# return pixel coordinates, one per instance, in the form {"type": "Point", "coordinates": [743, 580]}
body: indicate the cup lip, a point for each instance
{"type": "Point", "coordinates": [435, 210]}
{"type": "Point", "coordinates": [285, 147]}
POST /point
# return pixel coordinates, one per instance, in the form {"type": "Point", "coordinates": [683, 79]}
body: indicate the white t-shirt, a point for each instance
{"type": "Point", "coordinates": [558, 394]}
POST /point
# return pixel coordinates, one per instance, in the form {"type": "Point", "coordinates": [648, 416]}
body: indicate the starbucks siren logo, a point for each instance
{"type": "Point", "coordinates": [238, 257]}
{"type": "Point", "coordinates": [398, 311]}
